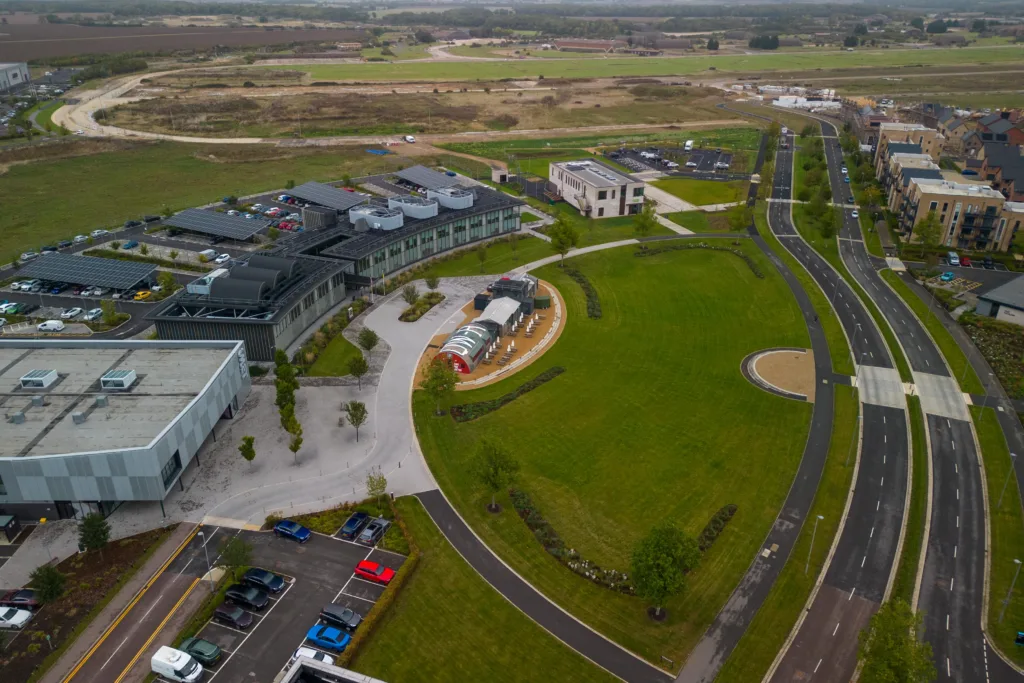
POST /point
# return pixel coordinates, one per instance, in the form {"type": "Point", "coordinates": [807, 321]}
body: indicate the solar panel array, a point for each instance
{"type": "Point", "coordinates": [220, 224]}
{"type": "Point", "coordinates": [426, 177]}
{"type": "Point", "coordinates": [328, 196]}
{"type": "Point", "coordinates": [88, 270]}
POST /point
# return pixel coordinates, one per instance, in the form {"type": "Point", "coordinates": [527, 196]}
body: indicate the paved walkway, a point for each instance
{"type": "Point", "coordinates": [674, 227]}
{"type": "Point", "coordinates": [667, 202]}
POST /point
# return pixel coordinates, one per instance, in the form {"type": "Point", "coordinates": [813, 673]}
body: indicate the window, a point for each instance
{"type": "Point", "coordinates": [295, 313]}
{"type": "Point", "coordinates": [613, 194]}
{"type": "Point", "coordinates": [945, 207]}
{"type": "Point", "coordinates": [322, 290]}
{"type": "Point", "coordinates": [600, 212]}
{"type": "Point", "coordinates": [171, 469]}
{"type": "Point", "coordinates": [933, 206]}
{"type": "Point", "coordinates": [308, 301]}
{"type": "Point", "coordinates": [603, 194]}
{"type": "Point", "coordinates": [638, 192]}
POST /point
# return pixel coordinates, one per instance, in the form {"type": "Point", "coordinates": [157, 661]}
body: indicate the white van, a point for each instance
{"type": "Point", "coordinates": [209, 254]}
{"type": "Point", "coordinates": [688, 147]}
{"type": "Point", "coordinates": [51, 326]}
{"type": "Point", "coordinates": [953, 259]}
{"type": "Point", "coordinates": [175, 665]}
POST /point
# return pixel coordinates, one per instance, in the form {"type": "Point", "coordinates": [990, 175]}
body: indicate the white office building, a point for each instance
{"type": "Point", "coordinates": [12, 74]}
{"type": "Point", "coordinates": [597, 190]}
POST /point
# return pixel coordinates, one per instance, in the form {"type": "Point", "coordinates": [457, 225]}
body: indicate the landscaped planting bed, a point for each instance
{"type": "Point", "coordinates": [1002, 344]}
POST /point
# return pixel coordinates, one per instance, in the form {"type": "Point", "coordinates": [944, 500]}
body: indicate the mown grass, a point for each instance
{"type": "Point", "coordinates": [641, 428]}
{"type": "Point", "coordinates": [449, 624]}
{"type": "Point", "coordinates": [599, 230]}
{"type": "Point", "coordinates": [702, 192]}
{"type": "Point", "coordinates": [501, 258]}
{"type": "Point", "coordinates": [955, 357]}
{"type": "Point", "coordinates": [334, 359]}
{"type": "Point", "coordinates": [913, 541]}
{"type": "Point", "coordinates": [701, 221]}
{"type": "Point", "coordinates": [774, 621]}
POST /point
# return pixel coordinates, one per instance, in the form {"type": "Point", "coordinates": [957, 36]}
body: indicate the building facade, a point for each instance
{"type": "Point", "coordinates": [970, 216]}
{"type": "Point", "coordinates": [597, 190]}
{"type": "Point", "coordinates": [928, 139]}
{"type": "Point", "coordinates": [13, 74]}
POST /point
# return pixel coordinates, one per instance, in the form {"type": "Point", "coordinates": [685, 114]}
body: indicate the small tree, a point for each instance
{"type": "Point", "coordinates": [48, 582]}
{"type": "Point", "coordinates": [513, 241]}
{"type": "Point", "coordinates": [289, 185]}
{"type": "Point", "coordinates": [660, 562]}
{"type": "Point", "coordinates": [368, 339]}
{"type": "Point", "coordinates": [439, 380]}
{"type": "Point", "coordinates": [109, 312]}
{"type": "Point", "coordinates": [144, 249]}
{"type": "Point", "coordinates": [481, 256]}
{"type": "Point", "coordinates": [237, 553]}
{"type": "Point", "coordinates": [410, 294]}
{"type": "Point", "coordinates": [357, 415]}
{"type": "Point", "coordinates": [166, 281]}
{"type": "Point", "coordinates": [248, 449]}
{"type": "Point", "coordinates": [295, 429]}
{"type": "Point", "coordinates": [346, 179]}
{"type": "Point", "coordinates": [173, 253]}
{"type": "Point", "coordinates": [496, 468]}
{"type": "Point", "coordinates": [273, 234]}
{"type": "Point", "coordinates": [358, 367]}
{"type": "Point", "coordinates": [432, 281]}
{"type": "Point", "coordinates": [564, 237]}
{"type": "Point", "coordinates": [740, 217]}
{"type": "Point", "coordinates": [94, 532]}
{"type": "Point", "coordinates": [115, 245]}
{"type": "Point", "coordinates": [928, 231]}
{"type": "Point", "coordinates": [712, 43]}
{"type": "Point", "coordinates": [376, 484]}
{"type": "Point", "coordinates": [888, 650]}
{"type": "Point", "coordinates": [646, 221]}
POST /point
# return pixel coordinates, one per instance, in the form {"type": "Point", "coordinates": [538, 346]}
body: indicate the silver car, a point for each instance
{"type": "Point", "coordinates": [93, 314]}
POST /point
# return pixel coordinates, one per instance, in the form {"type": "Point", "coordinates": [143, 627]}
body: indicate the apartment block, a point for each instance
{"type": "Point", "coordinates": [971, 216]}
{"type": "Point", "coordinates": [929, 140]}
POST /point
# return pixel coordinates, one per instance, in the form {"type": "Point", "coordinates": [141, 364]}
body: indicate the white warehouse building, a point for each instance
{"type": "Point", "coordinates": [597, 190]}
{"type": "Point", "coordinates": [12, 74]}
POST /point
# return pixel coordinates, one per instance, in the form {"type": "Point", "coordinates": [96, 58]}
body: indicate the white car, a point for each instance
{"type": "Point", "coordinates": [691, 164]}
{"type": "Point", "coordinates": [93, 314]}
{"type": "Point", "coordinates": [69, 313]}
{"type": "Point", "coordinates": [223, 258]}
{"type": "Point", "coordinates": [12, 617]}
{"type": "Point", "coordinates": [79, 239]}
{"type": "Point", "coordinates": [845, 171]}
{"type": "Point", "coordinates": [313, 654]}
{"type": "Point", "coordinates": [855, 214]}
{"type": "Point", "coordinates": [721, 164]}
{"type": "Point", "coordinates": [29, 284]}
{"type": "Point", "coordinates": [29, 255]}
{"type": "Point", "coordinates": [79, 132]}
{"type": "Point", "coordinates": [233, 212]}
{"type": "Point", "coordinates": [9, 308]}
{"type": "Point", "coordinates": [410, 138]}
{"type": "Point", "coordinates": [99, 291]}
{"type": "Point", "coordinates": [16, 286]}
{"type": "Point", "coordinates": [50, 326]}
{"type": "Point", "coordinates": [99, 233]}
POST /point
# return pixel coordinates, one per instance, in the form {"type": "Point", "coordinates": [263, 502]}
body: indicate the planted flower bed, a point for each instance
{"type": "Point", "coordinates": [1002, 344]}
{"type": "Point", "coordinates": [593, 302]}
{"type": "Point", "coordinates": [318, 341]}
{"type": "Point", "coordinates": [715, 526]}
{"type": "Point", "coordinates": [420, 308]}
{"type": "Point", "coordinates": [470, 411]}
{"type": "Point", "coordinates": [702, 245]}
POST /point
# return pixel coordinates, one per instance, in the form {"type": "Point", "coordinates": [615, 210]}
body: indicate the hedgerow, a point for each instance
{"type": "Point", "coordinates": [593, 302]}
{"type": "Point", "coordinates": [470, 411]}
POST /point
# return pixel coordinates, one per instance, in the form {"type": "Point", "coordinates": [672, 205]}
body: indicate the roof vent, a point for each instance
{"type": "Point", "coordinates": [16, 418]}
{"type": "Point", "coordinates": [38, 379]}
{"type": "Point", "coordinates": [37, 401]}
{"type": "Point", "coordinates": [78, 417]}
{"type": "Point", "coordinates": [101, 401]}
{"type": "Point", "coordinates": [452, 197]}
{"type": "Point", "coordinates": [117, 379]}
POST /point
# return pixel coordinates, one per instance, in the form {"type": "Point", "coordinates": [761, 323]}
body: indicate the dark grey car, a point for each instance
{"type": "Point", "coordinates": [341, 616]}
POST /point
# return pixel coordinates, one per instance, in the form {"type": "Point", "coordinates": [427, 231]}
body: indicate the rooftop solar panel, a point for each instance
{"type": "Point", "coordinates": [220, 224]}
{"type": "Point", "coordinates": [328, 196]}
{"type": "Point", "coordinates": [426, 177]}
{"type": "Point", "coordinates": [88, 270]}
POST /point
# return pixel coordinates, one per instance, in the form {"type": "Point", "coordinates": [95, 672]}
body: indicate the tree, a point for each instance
{"type": "Point", "coordinates": [481, 256]}
{"type": "Point", "coordinates": [248, 448]}
{"type": "Point", "coordinates": [423, 36]}
{"type": "Point", "coordinates": [564, 237]}
{"type": "Point", "coordinates": [712, 43]}
{"type": "Point", "coordinates": [740, 217]}
{"type": "Point", "coordinates": [660, 562]}
{"type": "Point", "coordinates": [496, 468]}
{"type": "Point", "coordinates": [439, 380]}
{"type": "Point", "coordinates": [48, 582]}
{"type": "Point", "coordinates": [94, 532]}
{"type": "Point", "coordinates": [937, 26]}
{"type": "Point", "coordinates": [144, 249]}
{"type": "Point", "coordinates": [928, 231]}
{"type": "Point", "coordinates": [368, 339]}
{"type": "Point", "coordinates": [410, 294]}
{"type": "Point", "coordinates": [273, 234]}
{"type": "Point", "coordinates": [807, 131]}
{"type": "Point", "coordinates": [109, 312]}
{"type": "Point", "coordinates": [869, 197]}
{"type": "Point", "coordinates": [513, 241]}
{"type": "Point", "coordinates": [850, 41]}
{"type": "Point", "coordinates": [358, 367]}
{"type": "Point", "coordinates": [432, 281]}
{"type": "Point", "coordinates": [166, 281]}
{"type": "Point", "coordinates": [346, 179]}
{"type": "Point", "coordinates": [889, 650]}
{"type": "Point", "coordinates": [376, 484]}
{"type": "Point", "coordinates": [357, 415]}
{"type": "Point", "coordinates": [237, 553]}
{"type": "Point", "coordinates": [918, 23]}
{"type": "Point", "coordinates": [173, 253]}
{"type": "Point", "coordinates": [646, 221]}
{"type": "Point", "coordinates": [860, 30]}
{"type": "Point", "coordinates": [978, 26]}
{"type": "Point", "coordinates": [295, 429]}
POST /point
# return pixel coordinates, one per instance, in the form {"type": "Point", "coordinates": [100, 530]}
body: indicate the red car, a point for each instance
{"type": "Point", "coordinates": [22, 599]}
{"type": "Point", "coordinates": [965, 261]}
{"type": "Point", "coordinates": [371, 571]}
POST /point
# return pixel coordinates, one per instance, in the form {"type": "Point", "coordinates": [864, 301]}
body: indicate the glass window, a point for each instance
{"type": "Point", "coordinates": [603, 194]}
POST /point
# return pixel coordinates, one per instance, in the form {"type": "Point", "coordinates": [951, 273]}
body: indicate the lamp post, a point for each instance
{"type": "Point", "coordinates": [1013, 461]}
{"type": "Point", "coordinates": [811, 547]}
{"type": "Point", "coordinates": [1006, 602]}
{"type": "Point", "coordinates": [209, 570]}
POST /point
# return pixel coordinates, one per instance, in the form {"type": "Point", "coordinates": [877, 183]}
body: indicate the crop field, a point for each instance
{"type": "Point", "coordinates": [660, 66]}
{"type": "Point", "coordinates": [640, 429]}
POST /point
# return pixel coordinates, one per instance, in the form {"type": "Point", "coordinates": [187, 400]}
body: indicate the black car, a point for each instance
{"type": "Point", "coordinates": [63, 244]}
{"type": "Point", "coordinates": [132, 224]}
{"type": "Point", "coordinates": [233, 616]}
{"type": "Point", "coordinates": [373, 532]}
{"type": "Point", "coordinates": [341, 616]}
{"type": "Point", "coordinates": [849, 200]}
{"type": "Point", "coordinates": [48, 248]}
{"type": "Point", "coordinates": [264, 580]}
{"type": "Point", "coordinates": [247, 596]}
{"type": "Point", "coordinates": [988, 263]}
{"type": "Point", "coordinates": [150, 219]}
{"type": "Point", "coordinates": [25, 309]}
{"type": "Point", "coordinates": [205, 652]}
{"type": "Point", "coordinates": [354, 525]}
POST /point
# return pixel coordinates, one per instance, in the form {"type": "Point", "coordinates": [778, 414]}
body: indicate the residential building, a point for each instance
{"type": "Point", "coordinates": [1000, 127]}
{"type": "Point", "coordinates": [1003, 166]}
{"type": "Point", "coordinates": [929, 139]}
{"type": "Point", "coordinates": [864, 119]}
{"type": "Point", "coordinates": [902, 168]}
{"type": "Point", "coordinates": [970, 216]}
{"type": "Point", "coordinates": [13, 74]}
{"type": "Point", "coordinates": [90, 424]}
{"type": "Point", "coordinates": [884, 168]}
{"type": "Point", "coordinates": [954, 128]}
{"type": "Point", "coordinates": [597, 190]}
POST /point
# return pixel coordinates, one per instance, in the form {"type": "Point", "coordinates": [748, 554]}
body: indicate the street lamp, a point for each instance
{"type": "Point", "coordinates": [1013, 461]}
{"type": "Point", "coordinates": [809, 549]}
{"type": "Point", "coordinates": [1006, 602]}
{"type": "Point", "coordinates": [209, 570]}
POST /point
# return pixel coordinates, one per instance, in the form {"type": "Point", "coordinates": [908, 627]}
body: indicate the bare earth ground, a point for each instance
{"type": "Point", "coordinates": [791, 371]}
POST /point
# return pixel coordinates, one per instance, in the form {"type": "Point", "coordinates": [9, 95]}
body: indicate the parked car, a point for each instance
{"type": "Point", "coordinates": [232, 212]}
{"type": "Point", "coordinates": [12, 617]}
{"type": "Point", "coordinates": [99, 232]}
{"type": "Point", "coordinates": [151, 219]}
{"type": "Point", "coordinates": [855, 214]}
{"type": "Point", "coordinates": [374, 571]}
{"type": "Point", "coordinates": [233, 615]}
{"type": "Point", "coordinates": [264, 580]}
{"type": "Point", "coordinates": [246, 596]}
{"type": "Point", "coordinates": [9, 308]}
{"type": "Point", "coordinates": [93, 314]}
{"type": "Point", "coordinates": [203, 651]}
{"type": "Point", "coordinates": [25, 309]}
{"type": "Point", "coordinates": [313, 654]}
{"type": "Point", "coordinates": [22, 599]}
{"type": "Point", "coordinates": [846, 179]}
{"type": "Point", "coordinates": [58, 288]}
{"type": "Point", "coordinates": [174, 665]}
{"type": "Point", "coordinates": [130, 244]}
{"type": "Point", "coordinates": [99, 291]}
{"type": "Point", "coordinates": [223, 258]}
{"type": "Point", "coordinates": [965, 261]}
{"type": "Point", "coordinates": [143, 295]}
{"type": "Point", "coordinates": [849, 200]}
{"type": "Point", "coordinates": [27, 285]}
{"type": "Point", "coordinates": [373, 532]}
{"type": "Point", "coordinates": [29, 255]}
{"type": "Point", "coordinates": [79, 239]}
{"type": "Point", "coordinates": [341, 616]}
{"type": "Point", "coordinates": [292, 530]}
{"type": "Point", "coordinates": [353, 525]}
{"type": "Point", "coordinates": [328, 637]}
{"type": "Point", "coordinates": [50, 326]}
{"type": "Point", "coordinates": [63, 244]}
{"type": "Point", "coordinates": [16, 285]}
{"type": "Point", "coordinates": [410, 138]}
{"type": "Point", "coordinates": [133, 224]}
{"type": "Point", "coordinates": [69, 313]}
{"type": "Point", "coordinates": [989, 263]}
{"type": "Point", "coordinates": [953, 258]}
{"type": "Point", "coordinates": [948, 276]}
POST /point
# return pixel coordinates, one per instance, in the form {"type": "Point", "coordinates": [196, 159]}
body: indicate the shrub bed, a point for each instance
{"type": "Point", "coordinates": [702, 245]}
{"type": "Point", "coordinates": [331, 520]}
{"type": "Point", "coordinates": [1002, 344]}
{"type": "Point", "coordinates": [420, 308]}
{"type": "Point", "coordinates": [318, 341]}
{"type": "Point", "coordinates": [123, 256]}
{"type": "Point", "coordinates": [715, 526]}
{"type": "Point", "coordinates": [470, 411]}
{"type": "Point", "coordinates": [593, 302]}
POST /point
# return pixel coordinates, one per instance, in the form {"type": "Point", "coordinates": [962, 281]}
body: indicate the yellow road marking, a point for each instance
{"type": "Point", "coordinates": [156, 632]}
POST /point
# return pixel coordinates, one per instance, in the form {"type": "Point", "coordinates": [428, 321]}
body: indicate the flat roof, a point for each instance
{"type": "Point", "coordinates": [1010, 294]}
{"type": "Point", "coordinates": [426, 177]}
{"type": "Point", "coordinates": [215, 223]}
{"type": "Point", "coordinates": [593, 172]}
{"type": "Point", "coordinates": [942, 186]}
{"type": "Point", "coordinates": [170, 376]}
{"type": "Point", "coordinates": [87, 270]}
{"type": "Point", "coordinates": [326, 195]}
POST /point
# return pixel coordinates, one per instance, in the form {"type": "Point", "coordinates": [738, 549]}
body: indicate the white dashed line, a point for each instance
{"type": "Point", "coordinates": [835, 629]}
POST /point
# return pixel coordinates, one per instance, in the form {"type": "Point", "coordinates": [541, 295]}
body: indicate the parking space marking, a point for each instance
{"type": "Point", "coordinates": [251, 631]}
{"type": "Point", "coordinates": [368, 583]}
{"type": "Point", "coordinates": [391, 552]}
{"type": "Point", "coordinates": [358, 597]}
{"type": "Point", "coordinates": [211, 622]}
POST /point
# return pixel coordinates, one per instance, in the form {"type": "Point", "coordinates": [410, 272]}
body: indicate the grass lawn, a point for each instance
{"type": "Point", "coordinates": [500, 258]}
{"type": "Point", "coordinates": [772, 623]}
{"type": "Point", "coordinates": [950, 349]}
{"type": "Point", "coordinates": [701, 221]}
{"type": "Point", "coordinates": [333, 360]}
{"type": "Point", "coordinates": [906, 573]}
{"type": "Point", "coordinates": [641, 428]}
{"type": "Point", "coordinates": [449, 624]}
{"type": "Point", "coordinates": [601, 230]}
{"type": "Point", "coordinates": [703, 191]}
{"type": "Point", "coordinates": [1007, 529]}
{"type": "Point", "coordinates": [527, 217]}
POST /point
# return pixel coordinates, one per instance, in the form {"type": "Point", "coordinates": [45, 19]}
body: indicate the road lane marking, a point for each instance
{"type": "Point", "coordinates": [149, 641]}
{"type": "Point", "coordinates": [835, 629]}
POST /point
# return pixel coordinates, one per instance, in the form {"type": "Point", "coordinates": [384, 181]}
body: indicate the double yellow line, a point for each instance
{"type": "Point", "coordinates": [156, 632]}
{"type": "Point", "coordinates": [128, 608]}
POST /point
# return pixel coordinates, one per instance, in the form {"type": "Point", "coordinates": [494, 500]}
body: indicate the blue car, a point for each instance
{"type": "Point", "coordinates": [292, 530]}
{"type": "Point", "coordinates": [328, 638]}
{"type": "Point", "coordinates": [130, 244]}
{"type": "Point", "coordinates": [846, 178]}
{"type": "Point", "coordinates": [948, 277]}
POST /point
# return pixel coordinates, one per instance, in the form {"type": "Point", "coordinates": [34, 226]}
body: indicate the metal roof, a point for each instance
{"type": "Point", "coordinates": [596, 174]}
{"type": "Point", "coordinates": [1011, 294]}
{"type": "Point", "coordinates": [214, 223]}
{"type": "Point", "coordinates": [500, 310]}
{"type": "Point", "coordinates": [88, 270]}
{"type": "Point", "coordinates": [328, 196]}
{"type": "Point", "coordinates": [426, 177]}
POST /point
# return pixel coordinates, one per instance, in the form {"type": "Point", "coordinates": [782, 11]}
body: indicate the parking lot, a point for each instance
{"type": "Point", "coordinates": [317, 573]}
{"type": "Point", "coordinates": [703, 160]}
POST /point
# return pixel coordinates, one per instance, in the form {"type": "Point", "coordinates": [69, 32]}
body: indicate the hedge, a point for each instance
{"type": "Point", "coordinates": [715, 526]}
{"type": "Point", "coordinates": [155, 260]}
{"type": "Point", "coordinates": [702, 245]}
{"type": "Point", "coordinates": [593, 302]}
{"type": "Point", "coordinates": [470, 411]}
{"type": "Point", "coordinates": [420, 308]}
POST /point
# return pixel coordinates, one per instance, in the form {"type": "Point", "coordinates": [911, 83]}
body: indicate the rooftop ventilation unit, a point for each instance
{"type": "Point", "coordinates": [596, 169]}
{"type": "Point", "coordinates": [202, 285]}
{"type": "Point", "coordinates": [452, 197]}
{"type": "Point", "coordinates": [16, 418]}
{"type": "Point", "coordinates": [377, 217]}
{"type": "Point", "coordinates": [117, 379]}
{"type": "Point", "coordinates": [100, 402]}
{"type": "Point", "coordinates": [38, 379]}
{"type": "Point", "coordinates": [413, 207]}
{"type": "Point", "coordinates": [79, 417]}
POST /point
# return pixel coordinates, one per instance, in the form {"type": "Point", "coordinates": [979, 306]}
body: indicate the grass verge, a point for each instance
{"type": "Point", "coordinates": [906, 573]}
{"type": "Point", "coordinates": [702, 192]}
{"type": "Point", "coordinates": [334, 359]}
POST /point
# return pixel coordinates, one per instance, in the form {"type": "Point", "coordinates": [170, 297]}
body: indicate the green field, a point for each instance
{"type": "Point", "coordinates": [449, 624]}
{"type": "Point", "coordinates": [500, 258]}
{"type": "Point", "coordinates": [701, 221]}
{"type": "Point", "coordinates": [333, 360]}
{"type": "Point", "coordinates": [702, 192]}
{"type": "Point", "coordinates": [642, 427]}
{"type": "Point", "coordinates": [656, 66]}
{"type": "Point", "coordinates": [600, 230]}
{"type": "Point", "coordinates": [527, 217]}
